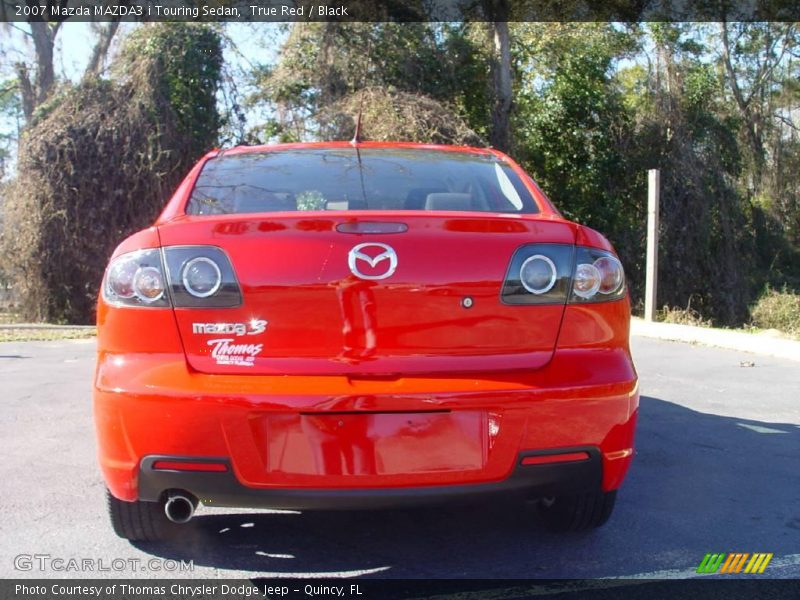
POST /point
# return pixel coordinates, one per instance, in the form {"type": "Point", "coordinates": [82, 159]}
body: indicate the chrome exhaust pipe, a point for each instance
{"type": "Point", "coordinates": [179, 508]}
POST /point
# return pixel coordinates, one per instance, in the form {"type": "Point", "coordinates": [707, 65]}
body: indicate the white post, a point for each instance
{"type": "Point", "coordinates": [651, 281]}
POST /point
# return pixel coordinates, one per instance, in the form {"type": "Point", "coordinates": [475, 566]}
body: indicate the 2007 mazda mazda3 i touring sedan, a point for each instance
{"type": "Point", "coordinates": [362, 325]}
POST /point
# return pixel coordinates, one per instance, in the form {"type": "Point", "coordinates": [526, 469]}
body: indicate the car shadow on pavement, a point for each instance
{"type": "Point", "coordinates": [699, 483]}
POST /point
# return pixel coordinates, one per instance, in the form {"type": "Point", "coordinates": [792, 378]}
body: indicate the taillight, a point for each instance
{"type": "Point", "coordinates": [560, 273]}
{"type": "Point", "coordinates": [183, 276]}
{"type": "Point", "coordinates": [201, 277]}
{"type": "Point", "coordinates": [539, 274]}
{"type": "Point", "coordinates": [599, 276]}
{"type": "Point", "coordinates": [136, 279]}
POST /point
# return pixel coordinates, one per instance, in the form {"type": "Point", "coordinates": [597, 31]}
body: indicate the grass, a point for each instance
{"type": "Point", "coordinates": [775, 313]}
{"type": "Point", "coordinates": [7, 317]}
{"type": "Point", "coordinates": [682, 316]}
{"type": "Point", "coordinates": [32, 335]}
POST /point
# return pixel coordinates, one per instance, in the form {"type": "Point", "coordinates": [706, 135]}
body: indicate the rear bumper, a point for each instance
{"type": "Point", "coordinates": [576, 469]}
{"type": "Point", "coordinates": [153, 405]}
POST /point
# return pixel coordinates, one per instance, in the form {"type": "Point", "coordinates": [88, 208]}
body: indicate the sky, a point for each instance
{"type": "Point", "coordinates": [75, 42]}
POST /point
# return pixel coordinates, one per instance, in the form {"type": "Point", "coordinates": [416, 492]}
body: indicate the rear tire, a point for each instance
{"type": "Point", "coordinates": [138, 521]}
{"type": "Point", "coordinates": [576, 512]}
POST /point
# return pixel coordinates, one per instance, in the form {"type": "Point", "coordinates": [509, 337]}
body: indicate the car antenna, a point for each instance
{"type": "Point", "coordinates": [355, 141]}
{"type": "Point", "coordinates": [357, 134]}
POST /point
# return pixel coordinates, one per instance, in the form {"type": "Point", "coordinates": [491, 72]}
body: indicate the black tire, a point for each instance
{"type": "Point", "coordinates": [138, 521]}
{"type": "Point", "coordinates": [577, 512]}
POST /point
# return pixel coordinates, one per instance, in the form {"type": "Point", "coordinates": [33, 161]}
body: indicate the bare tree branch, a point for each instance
{"type": "Point", "coordinates": [768, 67]}
{"type": "Point", "coordinates": [26, 90]}
{"type": "Point", "coordinates": [105, 35]}
{"type": "Point", "coordinates": [9, 87]}
{"type": "Point", "coordinates": [750, 119]}
{"type": "Point", "coordinates": [18, 28]}
{"type": "Point", "coordinates": [43, 41]}
{"type": "Point", "coordinates": [786, 121]}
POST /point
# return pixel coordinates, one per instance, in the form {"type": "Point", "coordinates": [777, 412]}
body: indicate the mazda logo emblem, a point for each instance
{"type": "Point", "coordinates": [373, 255]}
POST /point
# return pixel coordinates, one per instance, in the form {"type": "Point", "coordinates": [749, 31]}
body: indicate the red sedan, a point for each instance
{"type": "Point", "coordinates": [362, 325]}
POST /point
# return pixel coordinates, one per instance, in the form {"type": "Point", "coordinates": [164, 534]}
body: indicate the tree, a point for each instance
{"type": "Point", "coordinates": [753, 56]}
{"type": "Point", "coordinates": [497, 13]}
{"type": "Point", "coordinates": [37, 81]}
{"type": "Point", "coordinates": [323, 63]}
{"type": "Point", "coordinates": [99, 159]}
{"type": "Point", "coordinates": [35, 91]}
{"type": "Point", "coordinates": [707, 244]}
{"type": "Point", "coordinates": [761, 74]}
{"type": "Point", "coordinates": [572, 126]}
{"type": "Point", "coordinates": [105, 35]}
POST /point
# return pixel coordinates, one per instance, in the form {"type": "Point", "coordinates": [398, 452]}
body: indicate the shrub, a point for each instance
{"type": "Point", "coordinates": [389, 114]}
{"type": "Point", "coordinates": [98, 161]}
{"type": "Point", "coordinates": [682, 316]}
{"type": "Point", "coordinates": [777, 310]}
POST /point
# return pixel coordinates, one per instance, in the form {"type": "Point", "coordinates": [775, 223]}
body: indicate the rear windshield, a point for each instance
{"type": "Point", "coordinates": [370, 179]}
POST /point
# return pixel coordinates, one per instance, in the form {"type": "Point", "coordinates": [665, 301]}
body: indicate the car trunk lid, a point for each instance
{"type": "Point", "coordinates": [319, 297]}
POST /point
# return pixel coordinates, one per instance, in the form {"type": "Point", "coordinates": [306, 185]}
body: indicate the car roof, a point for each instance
{"type": "Point", "coordinates": [333, 145]}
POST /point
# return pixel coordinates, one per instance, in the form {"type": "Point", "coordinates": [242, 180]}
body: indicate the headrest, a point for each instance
{"type": "Point", "coordinates": [449, 201]}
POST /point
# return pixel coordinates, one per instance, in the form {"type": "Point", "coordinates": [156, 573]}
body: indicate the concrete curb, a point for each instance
{"type": "Point", "coordinates": [756, 343]}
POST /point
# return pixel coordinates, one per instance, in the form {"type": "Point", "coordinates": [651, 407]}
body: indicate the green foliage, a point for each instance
{"type": "Point", "coordinates": [188, 59]}
{"type": "Point", "coordinates": [588, 130]}
{"type": "Point", "coordinates": [463, 53]}
{"type": "Point", "coordinates": [324, 63]}
{"type": "Point", "coordinates": [706, 241]}
{"type": "Point", "coordinates": [573, 129]}
{"type": "Point", "coordinates": [595, 105]}
{"type": "Point", "coordinates": [568, 128]}
{"type": "Point", "coordinates": [777, 310]}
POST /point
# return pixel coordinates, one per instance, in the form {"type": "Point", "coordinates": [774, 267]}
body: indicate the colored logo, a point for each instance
{"type": "Point", "coordinates": [372, 255]}
{"type": "Point", "coordinates": [225, 352]}
{"type": "Point", "coordinates": [735, 562]}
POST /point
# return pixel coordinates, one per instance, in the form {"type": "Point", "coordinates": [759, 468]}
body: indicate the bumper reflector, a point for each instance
{"type": "Point", "coordinates": [179, 465]}
{"type": "Point", "coordinates": [555, 458]}
{"type": "Point", "coordinates": [619, 454]}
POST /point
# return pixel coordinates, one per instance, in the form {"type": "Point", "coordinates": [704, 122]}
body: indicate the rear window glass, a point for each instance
{"type": "Point", "coordinates": [370, 179]}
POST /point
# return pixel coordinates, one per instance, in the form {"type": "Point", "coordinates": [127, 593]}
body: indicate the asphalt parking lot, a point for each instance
{"type": "Point", "coordinates": [716, 470]}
